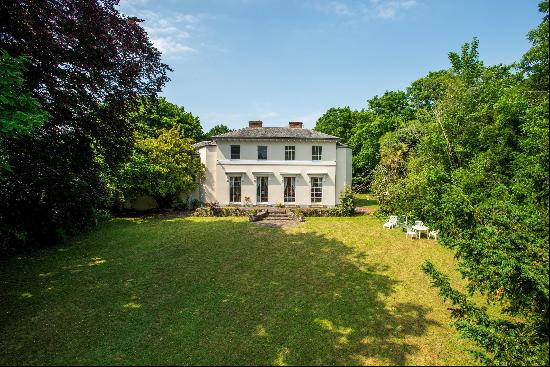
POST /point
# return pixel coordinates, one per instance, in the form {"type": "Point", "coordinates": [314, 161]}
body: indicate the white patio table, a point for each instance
{"type": "Point", "coordinates": [421, 229]}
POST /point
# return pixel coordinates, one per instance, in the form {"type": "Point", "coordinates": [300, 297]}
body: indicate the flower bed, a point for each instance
{"type": "Point", "coordinates": [224, 211]}
{"type": "Point", "coordinates": [243, 211]}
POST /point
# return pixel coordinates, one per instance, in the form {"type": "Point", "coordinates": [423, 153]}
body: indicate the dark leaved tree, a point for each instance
{"type": "Point", "coordinates": [87, 64]}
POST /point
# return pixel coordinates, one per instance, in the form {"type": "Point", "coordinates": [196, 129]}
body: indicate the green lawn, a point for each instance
{"type": "Point", "coordinates": [226, 291]}
{"type": "Point", "coordinates": [366, 200]}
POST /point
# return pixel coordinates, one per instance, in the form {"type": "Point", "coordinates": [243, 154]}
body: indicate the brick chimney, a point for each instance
{"type": "Point", "coordinates": [255, 124]}
{"type": "Point", "coordinates": [295, 124]}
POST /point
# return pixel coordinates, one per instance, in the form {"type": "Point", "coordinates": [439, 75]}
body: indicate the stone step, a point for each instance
{"type": "Point", "coordinates": [276, 210]}
{"type": "Point", "coordinates": [278, 218]}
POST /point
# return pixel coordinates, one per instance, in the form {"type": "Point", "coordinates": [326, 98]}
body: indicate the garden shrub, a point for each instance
{"type": "Point", "coordinates": [346, 208]}
{"type": "Point", "coordinates": [194, 204]}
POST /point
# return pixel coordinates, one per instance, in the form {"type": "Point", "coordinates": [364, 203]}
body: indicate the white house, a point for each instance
{"type": "Point", "coordinates": [274, 165]}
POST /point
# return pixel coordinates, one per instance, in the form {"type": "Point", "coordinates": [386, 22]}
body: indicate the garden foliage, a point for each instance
{"type": "Point", "coordinates": [468, 153]}
{"type": "Point", "coordinates": [20, 112]}
{"type": "Point", "coordinates": [216, 130]}
{"type": "Point", "coordinates": [346, 207]}
{"type": "Point", "coordinates": [85, 75]}
{"type": "Point", "coordinates": [162, 167]}
{"type": "Point", "coordinates": [155, 115]}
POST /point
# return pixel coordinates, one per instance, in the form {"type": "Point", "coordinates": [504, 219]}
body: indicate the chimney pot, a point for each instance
{"type": "Point", "coordinates": [295, 124]}
{"type": "Point", "coordinates": [255, 124]}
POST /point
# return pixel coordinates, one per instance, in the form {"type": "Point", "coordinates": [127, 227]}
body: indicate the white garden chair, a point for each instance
{"type": "Point", "coordinates": [433, 234]}
{"type": "Point", "coordinates": [418, 223]}
{"type": "Point", "coordinates": [392, 222]}
{"type": "Point", "coordinates": [411, 233]}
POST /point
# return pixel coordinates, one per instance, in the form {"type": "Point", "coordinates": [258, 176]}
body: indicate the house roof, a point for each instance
{"type": "Point", "coordinates": [275, 133]}
{"type": "Point", "coordinates": [205, 143]}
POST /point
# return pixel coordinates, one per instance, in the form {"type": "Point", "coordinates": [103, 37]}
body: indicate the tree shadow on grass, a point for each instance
{"type": "Point", "coordinates": [193, 291]}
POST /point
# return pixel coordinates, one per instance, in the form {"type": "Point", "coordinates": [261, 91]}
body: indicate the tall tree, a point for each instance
{"type": "Point", "coordinates": [475, 166]}
{"type": "Point", "coordinates": [384, 114]}
{"type": "Point", "coordinates": [216, 130]}
{"type": "Point", "coordinates": [156, 114]}
{"type": "Point", "coordinates": [424, 92]}
{"type": "Point", "coordinates": [88, 63]}
{"type": "Point", "coordinates": [164, 162]}
{"type": "Point", "coordinates": [392, 104]}
{"type": "Point", "coordinates": [162, 167]}
{"type": "Point", "coordinates": [20, 113]}
{"type": "Point", "coordinates": [535, 62]}
{"type": "Point", "coordinates": [337, 122]}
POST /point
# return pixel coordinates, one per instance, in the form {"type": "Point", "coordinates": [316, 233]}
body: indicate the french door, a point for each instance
{"type": "Point", "coordinates": [290, 189]}
{"type": "Point", "coordinates": [235, 189]}
{"type": "Point", "coordinates": [316, 189]}
{"type": "Point", "coordinates": [261, 189]}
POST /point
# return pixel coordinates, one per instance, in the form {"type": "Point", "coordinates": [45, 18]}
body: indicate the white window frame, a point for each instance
{"type": "Point", "coordinates": [259, 180]}
{"type": "Point", "coordinates": [292, 180]}
{"type": "Point", "coordinates": [231, 151]}
{"type": "Point", "coordinates": [290, 153]}
{"type": "Point", "coordinates": [316, 193]}
{"type": "Point", "coordinates": [316, 152]}
{"type": "Point", "coordinates": [258, 156]}
{"type": "Point", "coordinates": [232, 181]}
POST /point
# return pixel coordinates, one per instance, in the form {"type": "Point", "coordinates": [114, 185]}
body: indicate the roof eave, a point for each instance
{"type": "Point", "coordinates": [270, 138]}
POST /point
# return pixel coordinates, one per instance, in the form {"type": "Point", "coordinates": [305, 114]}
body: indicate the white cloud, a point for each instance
{"type": "Point", "coordinates": [130, 7]}
{"type": "Point", "coordinates": [168, 33]}
{"type": "Point", "coordinates": [389, 9]}
{"type": "Point", "coordinates": [334, 7]}
{"type": "Point", "coordinates": [357, 9]}
{"type": "Point", "coordinates": [165, 28]}
{"type": "Point", "coordinates": [169, 47]}
{"type": "Point", "coordinates": [187, 18]}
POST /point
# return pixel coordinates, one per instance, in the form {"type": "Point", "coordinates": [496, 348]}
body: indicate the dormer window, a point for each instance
{"type": "Point", "coordinates": [262, 152]}
{"type": "Point", "coordinates": [316, 152]}
{"type": "Point", "coordinates": [235, 152]}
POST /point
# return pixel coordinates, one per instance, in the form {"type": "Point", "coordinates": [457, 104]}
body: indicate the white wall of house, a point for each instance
{"type": "Point", "coordinates": [343, 169]}
{"type": "Point", "coordinates": [334, 168]}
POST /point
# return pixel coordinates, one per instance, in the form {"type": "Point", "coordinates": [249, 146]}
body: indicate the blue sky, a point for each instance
{"type": "Point", "coordinates": [283, 60]}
